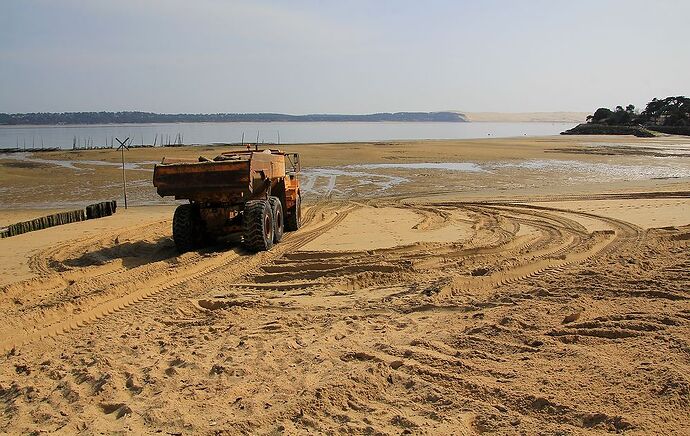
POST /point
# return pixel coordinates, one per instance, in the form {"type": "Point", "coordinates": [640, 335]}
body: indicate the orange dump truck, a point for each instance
{"type": "Point", "coordinates": [255, 193]}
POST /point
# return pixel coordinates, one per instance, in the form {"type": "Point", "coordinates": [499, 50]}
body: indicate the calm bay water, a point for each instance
{"type": "Point", "coordinates": [287, 133]}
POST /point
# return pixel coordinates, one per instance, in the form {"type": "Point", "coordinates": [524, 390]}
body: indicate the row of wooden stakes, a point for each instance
{"type": "Point", "coordinates": [92, 211]}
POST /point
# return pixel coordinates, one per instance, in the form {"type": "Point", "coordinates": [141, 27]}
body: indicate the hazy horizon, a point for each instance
{"type": "Point", "coordinates": [461, 112]}
{"type": "Point", "coordinates": [309, 57]}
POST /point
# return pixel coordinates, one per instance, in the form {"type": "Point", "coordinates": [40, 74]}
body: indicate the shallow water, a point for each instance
{"type": "Point", "coordinates": [661, 149]}
{"type": "Point", "coordinates": [610, 171]}
{"type": "Point", "coordinates": [607, 171]}
{"type": "Point", "coordinates": [382, 179]}
{"type": "Point", "coordinates": [449, 166]}
{"type": "Point", "coordinates": [72, 164]}
{"type": "Point", "coordinates": [64, 137]}
{"type": "Point", "coordinates": [323, 181]}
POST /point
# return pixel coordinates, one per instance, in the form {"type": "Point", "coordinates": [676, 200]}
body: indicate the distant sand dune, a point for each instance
{"type": "Point", "coordinates": [522, 117]}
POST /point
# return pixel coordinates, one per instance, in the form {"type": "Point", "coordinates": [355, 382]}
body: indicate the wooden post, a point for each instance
{"type": "Point", "coordinates": [124, 179]}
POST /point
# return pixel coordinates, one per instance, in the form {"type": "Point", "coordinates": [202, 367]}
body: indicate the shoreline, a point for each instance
{"type": "Point", "coordinates": [102, 135]}
{"type": "Point", "coordinates": [613, 138]}
{"type": "Point", "coordinates": [510, 168]}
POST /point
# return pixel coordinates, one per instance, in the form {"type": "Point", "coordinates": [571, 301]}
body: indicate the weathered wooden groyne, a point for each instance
{"type": "Point", "coordinates": [92, 211]}
{"type": "Point", "coordinates": [98, 210]}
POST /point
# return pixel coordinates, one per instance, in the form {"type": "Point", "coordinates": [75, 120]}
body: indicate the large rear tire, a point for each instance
{"type": "Point", "coordinates": [187, 228]}
{"type": "Point", "coordinates": [294, 215]}
{"type": "Point", "coordinates": [258, 225]}
{"type": "Point", "coordinates": [278, 221]}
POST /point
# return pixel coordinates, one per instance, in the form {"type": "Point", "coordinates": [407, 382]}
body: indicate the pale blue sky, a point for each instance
{"type": "Point", "coordinates": [340, 56]}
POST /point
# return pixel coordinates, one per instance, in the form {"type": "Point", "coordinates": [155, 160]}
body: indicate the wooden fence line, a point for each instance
{"type": "Point", "coordinates": [92, 211]}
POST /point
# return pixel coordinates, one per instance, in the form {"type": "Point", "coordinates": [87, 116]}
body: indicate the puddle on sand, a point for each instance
{"type": "Point", "coordinates": [609, 171]}
{"type": "Point", "coordinates": [664, 148]}
{"type": "Point", "coordinates": [347, 179]}
{"type": "Point", "coordinates": [323, 181]}
{"type": "Point", "coordinates": [603, 170]}
{"type": "Point", "coordinates": [379, 180]}
{"type": "Point", "coordinates": [72, 164]}
{"type": "Point", "coordinates": [449, 166]}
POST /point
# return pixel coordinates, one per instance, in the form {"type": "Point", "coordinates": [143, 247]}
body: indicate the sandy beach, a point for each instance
{"type": "Point", "coordinates": [513, 286]}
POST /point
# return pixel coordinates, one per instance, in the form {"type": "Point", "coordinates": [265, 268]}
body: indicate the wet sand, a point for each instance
{"type": "Point", "coordinates": [510, 167]}
{"type": "Point", "coordinates": [508, 300]}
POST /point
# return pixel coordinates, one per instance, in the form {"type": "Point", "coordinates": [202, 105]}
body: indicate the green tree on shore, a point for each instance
{"type": "Point", "coordinates": [671, 111]}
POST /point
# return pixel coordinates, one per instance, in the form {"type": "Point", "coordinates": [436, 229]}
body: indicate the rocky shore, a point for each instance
{"type": "Point", "coordinates": [604, 129]}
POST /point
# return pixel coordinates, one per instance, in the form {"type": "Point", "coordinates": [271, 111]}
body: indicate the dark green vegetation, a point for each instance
{"type": "Point", "coordinates": [670, 115]}
{"type": "Point", "coordinates": [46, 118]}
{"type": "Point", "coordinates": [671, 111]}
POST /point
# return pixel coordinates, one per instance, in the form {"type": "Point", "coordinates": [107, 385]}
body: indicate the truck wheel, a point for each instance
{"type": "Point", "coordinates": [258, 225]}
{"type": "Point", "coordinates": [278, 221]}
{"type": "Point", "coordinates": [294, 215]}
{"type": "Point", "coordinates": [187, 228]}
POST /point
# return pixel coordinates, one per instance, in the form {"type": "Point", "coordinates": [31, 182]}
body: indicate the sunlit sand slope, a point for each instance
{"type": "Point", "coordinates": [385, 317]}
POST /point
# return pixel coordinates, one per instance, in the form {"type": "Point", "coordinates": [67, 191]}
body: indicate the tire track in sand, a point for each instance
{"type": "Point", "coordinates": [450, 269]}
{"type": "Point", "coordinates": [28, 332]}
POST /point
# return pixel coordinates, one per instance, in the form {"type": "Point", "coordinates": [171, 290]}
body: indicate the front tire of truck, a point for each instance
{"type": "Point", "coordinates": [187, 228]}
{"type": "Point", "coordinates": [278, 222]}
{"type": "Point", "coordinates": [258, 225]}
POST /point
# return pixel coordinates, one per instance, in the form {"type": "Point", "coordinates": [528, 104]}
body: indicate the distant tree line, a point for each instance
{"type": "Point", "coordinates": [669, 112]}
{"type": "Point", "coordinates": [48, 118]}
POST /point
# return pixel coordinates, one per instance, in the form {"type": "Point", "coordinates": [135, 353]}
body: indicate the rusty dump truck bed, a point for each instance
{"type": "Point", "coordinates": [229, 178]}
